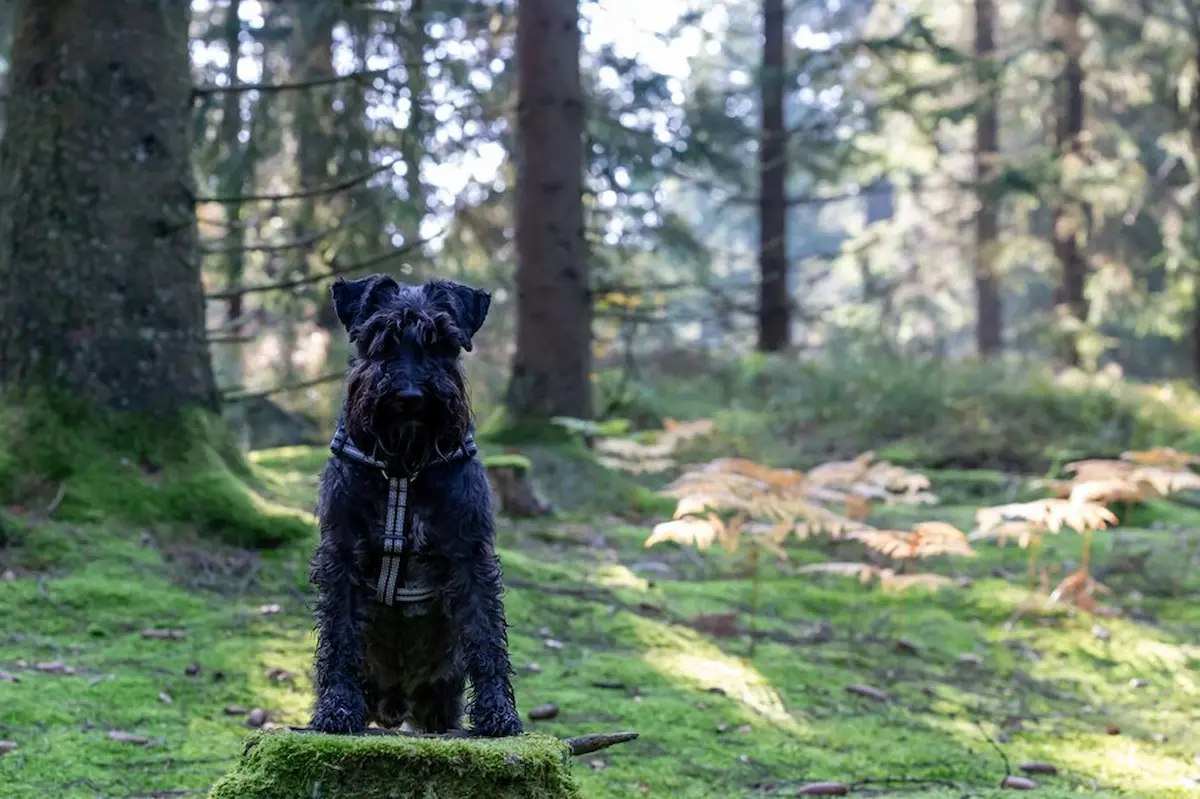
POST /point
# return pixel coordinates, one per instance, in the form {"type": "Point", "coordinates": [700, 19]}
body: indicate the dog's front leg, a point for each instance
{"type": "Point", "coordinates": [341, 706]}
{"type": "Point", "coordinates": [474, 599]}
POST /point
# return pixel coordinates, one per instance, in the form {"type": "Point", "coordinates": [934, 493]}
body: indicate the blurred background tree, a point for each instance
{"type": "Point", "coordinates": [999, 177]}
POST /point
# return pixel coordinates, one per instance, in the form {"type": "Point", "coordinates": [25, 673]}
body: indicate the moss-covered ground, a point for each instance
{"type": "Point", "coordinates": [132, 654]}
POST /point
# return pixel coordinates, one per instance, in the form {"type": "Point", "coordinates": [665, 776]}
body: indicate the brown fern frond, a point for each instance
{"type": "Point", "coordinates": [1161, 456]}
{"type": "Point", "coordinates": [925, 540]}
{"type": "Point", "coordinates": [1168, 480]}
{"type": "Point", "coordinates": [889, 581]}
{"type": "Point", "coordinates": [1050, 514]}
{"type": "Point", "coordinates": [692, 531]}
{"type": "Point", "coordinates": [864, 572]}
{"type": "Point", "coordinates": [1110, 491]}
{"type": "Point", "coordinates": [1079, 589]}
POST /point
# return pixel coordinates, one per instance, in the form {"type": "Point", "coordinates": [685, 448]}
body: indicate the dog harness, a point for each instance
{"type": "Point", "coordinates": [397, 523]}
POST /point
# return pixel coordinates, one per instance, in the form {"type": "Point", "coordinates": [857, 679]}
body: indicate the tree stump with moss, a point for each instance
{"type": "Point", "coordinates": [512, 484]}
{"type": "Point", "coordinates": [286, 764]}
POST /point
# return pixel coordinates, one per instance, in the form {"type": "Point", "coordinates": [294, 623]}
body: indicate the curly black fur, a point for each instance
{"type": "Point", "coordinates": [407, 405]}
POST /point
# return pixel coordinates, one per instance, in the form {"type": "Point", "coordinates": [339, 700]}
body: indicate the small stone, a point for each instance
{"type": "Point", "coordinates": [553, 643]}
{"type": "Point", "coordinates": [8, 746]}
{"type": "Point", "coordinates": [1015, 783]}
{"type": "Point", "coordinates": [906, 647]}
{"type": "Point", "coordinates": [743, 758]}
{"type": "Point", "coordinates": [970, 659]}
{"type": "Point", "coordinates": [824, 789]}
{"type": "Point", "coordinates": [1037, 767]}
{"type": "Point", "coordinates": [1112, 729]}
{"type": "Point", "coordinates": [257, 717]}
{"type": "Point", "coordinates": [1138, 682]}
{"type": "Point", "coordinates": [236, 710]}
{"type": "Point", "coordinates": [543, 712]}
{"type": "Point", "coordinates": [533, 668]}
{"type": "Point", "coordinates": [269, 610]}
{"type": "Point", "coordinates": [192, 669]}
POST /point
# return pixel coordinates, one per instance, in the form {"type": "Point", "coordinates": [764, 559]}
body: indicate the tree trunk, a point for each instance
{"type": "Point", "coordinates": [413, 144]}
{"type": "Point", "coordinates": [988, 323]}
{"type": "Point", "coordinates": [552, 365]}
{"type": "Point", "coordinates": [233, 182]}
{"type": "Point", "coordinates": [101, 295]}
{"type": "Point", "coordinates": [774, 309]}
{"type": "Point", "coordinates": [1068, 216]}
{"type": "Point", "coordinates": [1193, 112]}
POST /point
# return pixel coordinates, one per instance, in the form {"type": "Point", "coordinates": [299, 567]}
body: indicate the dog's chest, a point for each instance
{"type": "Point", "coordinates": [400, 550]}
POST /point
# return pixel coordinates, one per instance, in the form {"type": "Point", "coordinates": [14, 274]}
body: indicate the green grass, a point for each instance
{"type": "Point", "coordinates": [639, 650]}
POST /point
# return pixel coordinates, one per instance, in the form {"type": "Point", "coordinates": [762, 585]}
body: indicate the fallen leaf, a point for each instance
{"type": "Point", "coordinates": [269, 610]}
{"type": "Point", "coordinates": [256, 718]}
{"type": "Point", "coordinates": [127, 738]}
{"type": "Point", "coordinates": [745, 728]}
{"type": "Point", "coordinates": [1112, 729]}
{"type": "Point", "coordinates": [164, 635]}
{"type": "Point", "coordinates": [279, 675]}
{"type": "Point", "coordinates": [615, 685]}
{"type": "Point", "coordinates": [6, 677]}
{"type": "Point", "coordinates": [867, 691]}
{"type": "Point", "coordinates": [236, 710]}
{"type": "Point", "coordinates": [722, 726]}
{"type": "Point", "coordinates": [543, 712]}
{"type": "Point", "coordinates": [1016, 783]}
{"type": "Point", "coordinates": [722, 625]}
{"type": "Point", "coordinates": [824, 789]}
{"type": "Point", "coordinates": [54, 667]}
{"type": "Point", "coordinates": [165, 698]}
{"type": "Point", "coordinates": [643, 788]}
{"type": "Point", "coordinates": [598, 764]}
{"type": "Point", "coordinates": [1037, 767]}
{"type": "Point", "coordinates": [970, 659]}
{"type": "Point", "coordinates": [8, 746]}
{"type": "Point", "coordinates": [1138, 682]}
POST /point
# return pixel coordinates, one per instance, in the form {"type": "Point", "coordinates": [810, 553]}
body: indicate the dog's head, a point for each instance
{"type": "Point", "coordinates": [406, 388]}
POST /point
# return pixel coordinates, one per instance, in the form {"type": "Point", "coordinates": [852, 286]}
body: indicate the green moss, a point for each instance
{"type": "Point", "coordinates": [288, 765]}
{"type": "Point", "coordinates": [508, 460]}
{"type": "Point", "coordinates": [87, 466]}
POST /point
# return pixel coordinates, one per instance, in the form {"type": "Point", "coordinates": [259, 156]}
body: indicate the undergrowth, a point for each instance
{"type": "Point", "coordinates": [59, 460]}
{"type": "Point", "coordinates": [1005, 415]}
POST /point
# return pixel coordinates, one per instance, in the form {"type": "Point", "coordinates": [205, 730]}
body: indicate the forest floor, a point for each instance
{"type": "Point", "coordinates": [131, 658]}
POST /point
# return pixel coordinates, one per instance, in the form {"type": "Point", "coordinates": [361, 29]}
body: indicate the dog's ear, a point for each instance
{"type": "Point", "coordinates": [469, 307]}
{"type": "Point", "coordinates": [356, 299]}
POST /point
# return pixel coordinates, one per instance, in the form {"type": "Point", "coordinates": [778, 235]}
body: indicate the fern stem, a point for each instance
{"type": "Point", "coordinates": [1087, 551]}
{"type": "Point", "coordinates": [1035, 547]}
{"type": "Point", "coordinates": [753, 597]}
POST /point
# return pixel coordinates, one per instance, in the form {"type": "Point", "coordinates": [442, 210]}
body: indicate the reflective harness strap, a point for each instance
{"type": "Point", "coordinates": [389, 588]}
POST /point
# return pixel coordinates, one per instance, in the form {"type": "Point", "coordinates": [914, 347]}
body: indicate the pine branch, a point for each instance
{"type": "Point", "coordinates": [304, 194]}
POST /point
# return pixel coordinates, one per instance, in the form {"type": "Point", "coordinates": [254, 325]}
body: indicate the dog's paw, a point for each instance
{"type": "Point", "coordinates": [340, 714]}
{"type": "Point", "coordinates": [497, 725]}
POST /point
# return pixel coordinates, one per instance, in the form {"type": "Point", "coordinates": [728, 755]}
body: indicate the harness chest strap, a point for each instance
{"type": "Point", "coordinates": [389, 589]}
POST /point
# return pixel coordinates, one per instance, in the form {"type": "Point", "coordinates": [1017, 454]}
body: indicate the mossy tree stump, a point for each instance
{"type": "Point", "coordinates": [283, 764]}
{"type": "Point", "coordinates": [513, 486]}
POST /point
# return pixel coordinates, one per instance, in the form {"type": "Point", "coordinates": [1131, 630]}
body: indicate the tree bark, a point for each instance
{"type": "Point", "coordinates": [1067, 216]}
{"type": "Point", "coordinates": [774, 309]}
{"type": "Point", "coordinates": [988, 322]}
{"type": "Point", "coordinates": [100, 290]}
{"type": "Point", "coordinates": [233, 182]}
{"type": "Point", "coordinates": [552, 365]}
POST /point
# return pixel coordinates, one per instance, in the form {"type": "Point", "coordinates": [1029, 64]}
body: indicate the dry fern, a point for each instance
{"type": "Point", "coordinates": [888, 579]}
{"type": "Point", "coordinates": [925, 540]}
{"type": "Point", "coordinates": [635, 456]}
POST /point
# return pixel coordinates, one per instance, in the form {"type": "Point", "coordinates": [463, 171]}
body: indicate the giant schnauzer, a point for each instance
{"type": "Point", "coordinates": [409, 583]}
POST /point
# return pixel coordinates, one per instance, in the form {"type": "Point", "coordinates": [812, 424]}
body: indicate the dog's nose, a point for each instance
{"type": "Point", "coordinates": [408, 395]}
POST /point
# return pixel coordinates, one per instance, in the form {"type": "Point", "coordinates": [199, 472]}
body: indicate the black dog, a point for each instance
{"type": "Point", "coordinates": [409, 582]}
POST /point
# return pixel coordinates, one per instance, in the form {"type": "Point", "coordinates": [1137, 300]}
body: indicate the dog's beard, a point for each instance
{"type": "Point", "coordinates": [405, 439]}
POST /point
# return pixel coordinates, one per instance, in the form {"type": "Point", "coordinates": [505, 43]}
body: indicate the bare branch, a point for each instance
{"type": "Point", "coordinates": [334, 270]}
{"type": "Point", "coordinates": [304, 194]}
{"type": "Point", "coordinates": [242, 396]}
{"type": "Point", "coordinates": [586, 744]}
{"type": "Point", "coordinates": [293, 244]}
{"type": "Point", "coordinates": [204, 91]}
